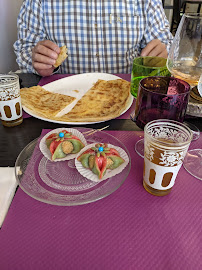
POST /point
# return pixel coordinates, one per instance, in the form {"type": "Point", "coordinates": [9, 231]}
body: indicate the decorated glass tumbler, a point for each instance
{"type": "Point", "coordinates": [165, 145]}
{"type": "Point", "coordinates": [10, 101]}
{"type": "Point", "coordinates": [145, 66]}
{"type": "Point", "coordinates": [161, 98]}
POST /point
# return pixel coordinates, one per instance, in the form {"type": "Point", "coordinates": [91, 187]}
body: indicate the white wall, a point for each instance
{"type": "Point", "coordinates": [9, 10]}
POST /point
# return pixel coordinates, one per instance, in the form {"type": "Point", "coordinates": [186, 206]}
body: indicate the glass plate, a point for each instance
{"type": "Point", "coordinates": [59, 183]}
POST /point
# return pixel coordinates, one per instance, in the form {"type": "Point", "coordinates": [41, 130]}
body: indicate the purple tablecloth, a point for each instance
{"type": "Point", "coordinates": [55, 77]}
{"type": "Point", "coordinates": [130, 229]}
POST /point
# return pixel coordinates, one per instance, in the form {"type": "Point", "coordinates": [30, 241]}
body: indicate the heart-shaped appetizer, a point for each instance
{"type": "Point", "coordinates": [62, 144]}
{"type": "Point", "coordinates": [100, 158]}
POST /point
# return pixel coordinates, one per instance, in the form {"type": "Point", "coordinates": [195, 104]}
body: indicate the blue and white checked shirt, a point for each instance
{"type": "Point", "coordinates": [101, 35]}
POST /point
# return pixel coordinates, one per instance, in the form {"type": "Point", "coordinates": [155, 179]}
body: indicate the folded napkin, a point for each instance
{"type": "Point", "coordinates": [8, 185]}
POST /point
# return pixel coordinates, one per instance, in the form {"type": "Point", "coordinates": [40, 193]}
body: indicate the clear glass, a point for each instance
{"type": "Point", "coordinates": [185, 56]}
{"type": "Point", "coordinates": [165, 145]}
{"type": "Point", "coordinates": [185, 62]}
{"type": "Point", "coordinates": [60, 183]}
{"type": "Point", "coordinates": [144, 67]}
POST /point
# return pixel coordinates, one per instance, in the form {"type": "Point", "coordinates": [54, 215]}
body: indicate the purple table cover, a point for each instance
{"type": "Point", "coordinates": [49, 79]}
{"type": "Point", "coordinates": [129, 229]}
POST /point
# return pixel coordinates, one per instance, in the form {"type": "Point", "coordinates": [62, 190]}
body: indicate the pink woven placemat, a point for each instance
{"type": "Point", "coordinates": [130, 229]}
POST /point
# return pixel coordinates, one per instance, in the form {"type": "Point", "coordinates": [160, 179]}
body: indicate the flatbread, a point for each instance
{"type": "Point", "coordinates": [104, 101]}
{"type": "Point", "coordinates": [61, 57]}
{"type": "Point", "coordinates": [44, 103]}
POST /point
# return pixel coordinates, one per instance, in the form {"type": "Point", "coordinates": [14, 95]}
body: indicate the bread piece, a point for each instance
{"type": "Point", "coordinates": [42, 102]}
{"type": "Point", "coordinates": [61, 57]}
{"type": "Point", "coordinates": [104, 101]}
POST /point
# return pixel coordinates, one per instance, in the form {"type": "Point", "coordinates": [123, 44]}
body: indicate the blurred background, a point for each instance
{"type": "Point", "coordinates": [9, 10]}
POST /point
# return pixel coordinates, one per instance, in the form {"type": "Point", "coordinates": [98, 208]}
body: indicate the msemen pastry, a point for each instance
{"type": "Point", "coordinates": [105, 100]}
{"type": "Point", "coordinates": [44, 103]}
{"type": "Point", "coordinates": [61, 57]}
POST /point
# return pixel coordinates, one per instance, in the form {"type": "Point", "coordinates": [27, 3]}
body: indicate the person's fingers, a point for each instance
{"type": "Point", "coordinates": [156, 51]}
{"type": "Point", "coordinates": [147, 50]}
{"type": "Point", "coordinates": [40, 58]}
{"type": "Point", "coordinates": [49, 44]}
{"type": "Point", "coordinates": [163, 54]}
{"type": "Point", "coordinates": [38, 65]}
{"type": "Point", "coordinates": [43, 50]}
{"type": "Point", "coordinates": [44, 54]}
{"type": "Point", "coordinates": [155, 48]}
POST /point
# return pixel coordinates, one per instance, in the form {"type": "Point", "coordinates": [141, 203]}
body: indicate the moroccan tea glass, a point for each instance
{"type": "Point", "coordinates": [165, 145]}
{"type": "Point", "coordinates": [10, 101]}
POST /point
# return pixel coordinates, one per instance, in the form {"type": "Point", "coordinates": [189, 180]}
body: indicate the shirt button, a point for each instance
{"type": "Point", "coordinates": [95, 25]}
{"type": "Point", "coordinates": [97, 54]}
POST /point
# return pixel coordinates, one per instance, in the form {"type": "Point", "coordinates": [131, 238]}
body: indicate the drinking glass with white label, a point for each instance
{"type": "Point", "coordinates": [10, 101]}
{"type": "Point", "coordinates": [165, 146]}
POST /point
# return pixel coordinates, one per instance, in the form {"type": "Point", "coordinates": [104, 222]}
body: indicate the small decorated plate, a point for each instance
{"type": "Point", "coordinates": [62, 144]}
{"type": "Point", "coordinates": [103, 161]}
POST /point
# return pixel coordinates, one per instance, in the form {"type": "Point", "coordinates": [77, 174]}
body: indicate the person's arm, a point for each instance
{"type": "Point", "coordinates": [34, 53]}
{"type": "Point", "coordinates": [157, 38]}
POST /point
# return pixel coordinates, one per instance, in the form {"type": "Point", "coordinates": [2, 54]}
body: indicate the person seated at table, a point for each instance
{"type": "Point", "coordinates": [101, 36]}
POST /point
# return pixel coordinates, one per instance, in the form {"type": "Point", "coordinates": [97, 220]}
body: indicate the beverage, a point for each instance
{"type": "Point", "coordinates": [165, 145]}
{"type": "Point", "coordinates": [147, 115]}
{"type": "Point", "coordinates": [185, 70]}
{"type": "Point", "coordinates": [144, 67]}
{"type": "Point", "coordinates": [161, 98]}
{"type": "Point", "coordinates": [166, 179]}
{"type": "Point", "coordinates": [12, 123]}
{"type": "Point", "coordinates": [10, 101]}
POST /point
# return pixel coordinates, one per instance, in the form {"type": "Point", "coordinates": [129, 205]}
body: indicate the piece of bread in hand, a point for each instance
{"type": "Point", "coordinates": [61, 57]}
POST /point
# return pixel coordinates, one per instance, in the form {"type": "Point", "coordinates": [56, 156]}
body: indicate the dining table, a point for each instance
{"type": "Point", "coordinates": [128, 229]}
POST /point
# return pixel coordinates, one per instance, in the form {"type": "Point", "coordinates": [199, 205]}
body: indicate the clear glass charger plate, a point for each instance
{"type": "Point", "coordinates": [59, 183]}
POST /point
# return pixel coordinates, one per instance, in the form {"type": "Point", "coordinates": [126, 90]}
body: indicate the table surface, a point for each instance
{"type": "Point", "coordinates": [130, 229]}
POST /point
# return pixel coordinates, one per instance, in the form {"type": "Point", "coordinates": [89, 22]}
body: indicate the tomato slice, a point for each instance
{"type": "Point", "coordinates": [113, 152]}
{"type": "Point", "coordinates": [53, 135]}
{"type": "Point", "coordinates": [53, 146]}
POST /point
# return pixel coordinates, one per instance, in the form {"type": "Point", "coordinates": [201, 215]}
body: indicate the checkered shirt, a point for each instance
{"type": "Point", "coordinates": [101, 35]}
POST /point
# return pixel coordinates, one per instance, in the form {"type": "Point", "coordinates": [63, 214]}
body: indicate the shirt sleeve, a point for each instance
{"type": "Point", "coordinates": [157, 26]}
{"type": "Point", "coordinates": [30, 32]}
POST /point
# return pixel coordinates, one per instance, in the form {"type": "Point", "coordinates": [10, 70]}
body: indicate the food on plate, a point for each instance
{"type": "Point", "coordinates": [63, 143]}
{"type": "Point", "coordinates": [105, 100]}
{"type": "Point", "coordinates": [100, 158]}
{"type": "Point", "coordinates": [44, 103]}
{"type": "Point", "coordinates": [61, 57]}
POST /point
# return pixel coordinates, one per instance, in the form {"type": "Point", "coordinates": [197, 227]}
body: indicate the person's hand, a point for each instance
{"type": "Point", "coordinates": [44, 55]}
{"type": "Point", "coordinates": [155, 48]}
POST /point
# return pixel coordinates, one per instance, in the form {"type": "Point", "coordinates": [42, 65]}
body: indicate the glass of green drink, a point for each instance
{"type": "Point", "coordinates": [145, 67]}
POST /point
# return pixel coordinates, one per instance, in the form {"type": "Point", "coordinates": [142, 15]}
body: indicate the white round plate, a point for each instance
{"type": "Point", "coordinates": [82, 82]}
